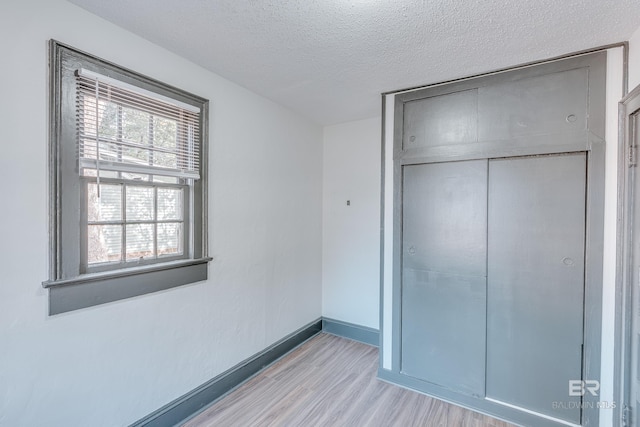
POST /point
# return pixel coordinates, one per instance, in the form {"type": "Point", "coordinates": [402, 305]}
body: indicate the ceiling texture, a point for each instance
{"type": "Point", "coordinates": [329, 60]}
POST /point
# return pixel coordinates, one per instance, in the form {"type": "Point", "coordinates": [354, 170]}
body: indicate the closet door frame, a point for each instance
{"type": "Point", "coordinates": [589, 141]}
{"type": "Point", "coordinates": [627, 268]}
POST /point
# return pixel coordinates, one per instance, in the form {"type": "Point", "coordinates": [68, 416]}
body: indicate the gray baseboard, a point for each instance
{"type": "Point", "coordinates": [352, 331]}
{"type": "Point", "coordinates": [193, 402]}
{"type": "Point", "coordinates": [196, 400]}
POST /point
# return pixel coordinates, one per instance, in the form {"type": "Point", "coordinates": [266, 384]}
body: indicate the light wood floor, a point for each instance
{"type": "Point", "coordinates": [331, 381]}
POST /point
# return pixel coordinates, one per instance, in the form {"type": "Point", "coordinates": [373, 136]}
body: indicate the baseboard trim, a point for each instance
{"type": "Point", "coordinates": [193, 402]}
{"type": "Point", "coordinates": [352, 331]}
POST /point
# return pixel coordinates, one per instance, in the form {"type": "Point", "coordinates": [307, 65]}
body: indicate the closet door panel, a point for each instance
{"type": "Point", "coordinates": [441, 120]}
{"type": "Point", "coordinates": [444, 274]}
{"type": "Point", "coordinates": [553, 103]}
{"type": "Point", "coordinates": [535, 284]}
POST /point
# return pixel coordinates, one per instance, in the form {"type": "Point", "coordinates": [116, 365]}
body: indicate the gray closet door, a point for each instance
{"type": "Point", "coordinates": [535, 284]}
{"type": "Point", "coordinates": [444, 274]}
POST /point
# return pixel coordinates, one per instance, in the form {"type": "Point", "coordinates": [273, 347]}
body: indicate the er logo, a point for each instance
{"type": "Point", "coordinates": [580, 388]}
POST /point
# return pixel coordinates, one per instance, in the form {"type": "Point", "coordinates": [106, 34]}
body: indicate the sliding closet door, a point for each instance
{"type": "Point", "coordinates": [535, 284]}
{"type": "Point", "coordinates": [444, 274]}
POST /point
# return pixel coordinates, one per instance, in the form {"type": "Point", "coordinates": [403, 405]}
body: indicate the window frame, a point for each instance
{"type": "Point", "coordinates": [71, 285]}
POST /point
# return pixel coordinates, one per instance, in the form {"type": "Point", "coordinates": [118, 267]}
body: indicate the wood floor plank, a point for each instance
{"type": "Point", "coordinates": [331, 381]}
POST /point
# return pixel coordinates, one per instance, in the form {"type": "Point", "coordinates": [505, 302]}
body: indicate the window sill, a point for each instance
{"type": "Point", "coordinates": [93, 289]}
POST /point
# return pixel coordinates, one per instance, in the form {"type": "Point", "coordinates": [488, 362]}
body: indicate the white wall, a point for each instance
{"type": "Point", "coordinates": [351, 234]}
{"type": "Point", "coordinates": [112, 364]}
{"type": "Point", "coordinates": [386, 328]}
{"type": "Point", "coordinates": [615, 71]}
{"type": "Point", "coordinates": [634, 60]}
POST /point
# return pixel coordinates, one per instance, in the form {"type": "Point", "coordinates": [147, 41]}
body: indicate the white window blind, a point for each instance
{"type": "Point", "coordinates": [123, 128]}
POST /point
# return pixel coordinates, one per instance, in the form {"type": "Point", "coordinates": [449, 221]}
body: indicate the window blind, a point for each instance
{"type": "Point", "coordinates": [124, 128]}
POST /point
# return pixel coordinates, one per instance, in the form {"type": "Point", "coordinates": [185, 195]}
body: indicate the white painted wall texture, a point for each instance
{"type": "Point", "coordinates": [615, 71]}
{"type": "Point", "coordinates": [351, 233]}
{"type": "Point", "coordinates": [282, 237]}
{"type": "Point", "coordinates": [112, 364]}
{"type": "Point", "coordinates": [634, 60]}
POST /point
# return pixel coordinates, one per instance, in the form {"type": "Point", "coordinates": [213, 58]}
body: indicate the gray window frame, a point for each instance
{"type": "Point", "coordinates": [71, 286]}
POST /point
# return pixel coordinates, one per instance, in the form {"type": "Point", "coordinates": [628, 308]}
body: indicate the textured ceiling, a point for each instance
{"type": "Point", "coordinates": [330, 59]}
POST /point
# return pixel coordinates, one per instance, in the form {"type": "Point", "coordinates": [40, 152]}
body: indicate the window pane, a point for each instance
{"type": "Point", "coordinates": [164, 132]}
{"type": "Point", "coordinates": [136, 156]}
{"type": "Point", "coordinates": [88, 148]}
{"type": "Point", "coordinates": [109, 151]}
{"type": "Point", "coordinates": [139, 203]}
{"type": "Point", "coordinates": [139, 241]}
{"type": "Point", "coordinates": [107, 207]}
{"type": "Point", "coordinates": [135, 126]}
{"type": "Point", "coordinates": [170, 239]}
{"type": "Point", "coordinates": [165, 136]}
{"type": "Point", "coordinates": [169, 203]}
{"type": "Point", "coordinates": [104, 243]}
{"type": "Point", "coordinates": [108, 119]}
{"type": "Point", "coordinates": [165, 160]}
{"type": "Point", "coordinates": [87, 108]}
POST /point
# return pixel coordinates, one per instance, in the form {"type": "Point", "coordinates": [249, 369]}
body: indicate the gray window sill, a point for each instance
{"type": "Point", "coordinates": [99, 288]}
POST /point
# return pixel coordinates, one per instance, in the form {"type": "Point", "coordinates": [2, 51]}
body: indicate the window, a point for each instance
{"type": "Point", "coordinates": [128, 183]}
